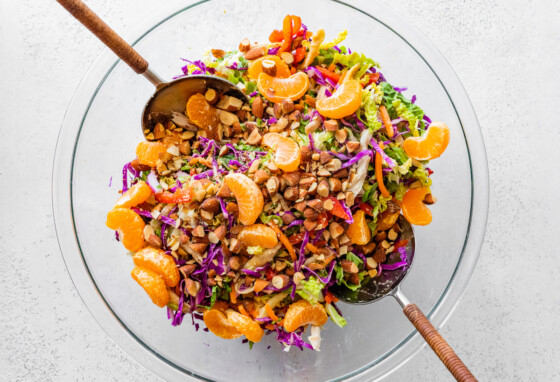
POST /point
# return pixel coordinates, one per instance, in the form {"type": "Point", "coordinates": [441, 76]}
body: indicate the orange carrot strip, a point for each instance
{"type": "Point", "coordinates": [233, 297]}
{"type": "Point", "coordinates": [284, 240]}
{"type": "Point", "coordinates": [386, 120]}
{"type": "Point", "coordinates": [332, 67]}
{"type": "Point", "coordinates": [312, 248]}
{"type": "Point", "coordinates": [297, 24]}
{"type": "Point", "coordinates": [379, 173]}
{"type": "Point", "coordinates": [287, 32]}
{"type": "Point", "coordinates": [242, 310]}
{"type": "Point", "coordinates": [269, 326]}
{"type": "Point", "coordinates": [329, 297]}
{"type": "Point", "coordinates": [270, 312]}
{"type": "Point", "coordinates": [276, 36]}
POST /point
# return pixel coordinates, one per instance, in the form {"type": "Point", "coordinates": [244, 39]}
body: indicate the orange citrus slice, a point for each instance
{"type": "Point", "coordinates": [203, 114]}
{"type": "Point", "coordinates": [277, 89]}
{"type": "Point", "coordinates": [157, 261]}
{"type": "Point", "coordinates": [287, 154]}
{"type": "Point", "coordinates": [153, 284]}
{"type": "Point", "coordinates": [148, 153]}
{"type": "Point", "coordinates": [282, 69]}
{"type": "Point", "coordinates": [413, 207]}
{"type": "Point", "coordinates": [218, 324]}
{"type": "Point", "coordinates": [258, 235]}
{"type": "Point", "coordinates": [343, 102]}
{"type": "Point", "coordinates": [302, 313]}
{"type": "Point", "coordinates": [248, 195]}
{"type": "Point", "coordinates": [431, 145]}
{"type": "Point", "coordinates": [358, 231]}
{"type": "Point", "coordinates": [250, 329]}
{"type": "Point", "coordinates": [130, 227]}
{"type": "Point", "coordinates": [135, 195]}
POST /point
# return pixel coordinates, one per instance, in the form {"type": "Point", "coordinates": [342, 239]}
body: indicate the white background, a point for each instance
{"type": "Point", "coordinates": [507, 54]}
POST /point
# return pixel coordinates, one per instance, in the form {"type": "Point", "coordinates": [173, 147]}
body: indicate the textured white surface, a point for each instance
{"type": "Point", "coordinates": [505, 328]}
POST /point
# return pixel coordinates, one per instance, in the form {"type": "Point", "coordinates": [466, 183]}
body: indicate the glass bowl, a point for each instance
{"type": "Point", "coordinates": [102, 127]}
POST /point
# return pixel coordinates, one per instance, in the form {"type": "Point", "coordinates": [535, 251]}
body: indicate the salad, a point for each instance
{"type": "Point", "coordinates": [244, 214]}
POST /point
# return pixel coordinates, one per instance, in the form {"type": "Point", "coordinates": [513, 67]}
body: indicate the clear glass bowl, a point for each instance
{"type": "Point", "coordinates": [102, 128]}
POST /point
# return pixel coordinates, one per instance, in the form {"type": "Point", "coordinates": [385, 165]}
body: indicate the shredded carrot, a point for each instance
{"type": "Point", "coordinates": [297, 24]}
{"type": "Point", "coordinates": [276, 36]}
{"type": "Point", "coordinates": [269, 326]}
{"type": "Point", "coordinates": [329, 74]}
{"type": "Point", "coordinates": [386, 120]}
{"type": "Point", "coordinates": [242, 310]}
{"type": "Point", "coordinates": [270, 312]}
{"type": "Point", "coordinates": [281, 323]}
{"type": "Point", "coordinates": [293, 70]}
{"type": "Point", "coordinates": [379, 173]}
{"type": "Point", "coordinates": [284, 240]}
{"type": "Point", "coordinates": [287, 32]}
{"type": "Point", "coordinates": [312, 248]}
{"type": "Point", "coordinates": [329, 297]}
{"type": "Point", "coordinates": [332, 67]}
{"type": "Point", "coordinates": [233, 297]}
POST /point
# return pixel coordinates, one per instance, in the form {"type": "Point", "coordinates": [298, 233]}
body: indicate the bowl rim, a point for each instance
{"type": "Point", "coordinates": [94, 301]}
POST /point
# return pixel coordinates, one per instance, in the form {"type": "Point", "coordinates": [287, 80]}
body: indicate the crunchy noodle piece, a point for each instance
{"type": "Point", "coordinates": [318, 38]}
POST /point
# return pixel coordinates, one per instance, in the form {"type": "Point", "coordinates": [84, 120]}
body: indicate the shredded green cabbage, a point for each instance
{"type": "Point", "coordinates": [399, 106]}
{"type": "Point", "coordinates": [335, 317]}
{"type": "Point", "coordinates": [311, 289]}
{"type": "Point", "coordinates": [350, 60]}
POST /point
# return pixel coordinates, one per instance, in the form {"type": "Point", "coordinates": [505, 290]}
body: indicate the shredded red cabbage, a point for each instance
{"type": "Point", "coordinates": [324, 280]}
{"type": "Point", "coordinates": [358, 156]}
{"type": "Point", "coordinates": [251, 273]}
{"type": "Point", "coordinates": [348, 212]}
{"type": "Point", "coordinates": [301, 259]}
{"type": "Point", "coordinates": [273, 51]}
{"type": "Point", "coordinates": [391, 163]}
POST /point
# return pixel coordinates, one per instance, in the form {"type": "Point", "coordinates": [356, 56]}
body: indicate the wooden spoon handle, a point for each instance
{"type": "Point", "coordinates": [109, 37]}
{"type": "Point", "coordinates": [438, 344]}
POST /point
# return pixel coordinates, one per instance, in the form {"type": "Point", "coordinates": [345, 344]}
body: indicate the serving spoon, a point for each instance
{"type": "Point", "coordinates": [170, 98]}
{"type": "Point", "coordinates": [388, 284]}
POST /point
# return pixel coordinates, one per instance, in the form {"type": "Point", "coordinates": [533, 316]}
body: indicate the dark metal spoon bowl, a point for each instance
{"type": "Point", "coordinates": [388, 284]}
{"type": "Point", "coordinates": [170, 98]}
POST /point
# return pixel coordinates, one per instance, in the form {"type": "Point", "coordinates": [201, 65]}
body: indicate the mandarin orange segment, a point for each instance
{"type": "Point", "coordinates": [431, 145]}
{"type": "Point", "coordinates": [302, 313]}
{"type": "Point", "coordinates": [287, 154]}
{"type": "Point", "coordinates": [343, 102]}
{"type": "Point", "coordinates": [135, 195]}
{"type": "Point", "coordinates": [413, 207]}
{"type": "Point", "coordinates": [248, 196]}
{"type": "Point", "coordinates": [250, 329]}
{"type": "Point", "coordinates": [157, 261]}
{"type": "Point", "coordinates": [130, 227]}
{"type": "Point", "coordinates": [203, 114]}
{"type": "Point", "coordinates": [258, 235]}
{"type": "Point", "coordinates": [153, 284]}
{"type": "Point", "coordinates": [148, 153]}
{"type": "Point", "coordinates": [359, 231]}
{"type": "Point", "coordinates": [255, 68]}
{"type": "Point", "coordinates": [277, 89]}
{"type": "Point", "coordinates": [218, 324]}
